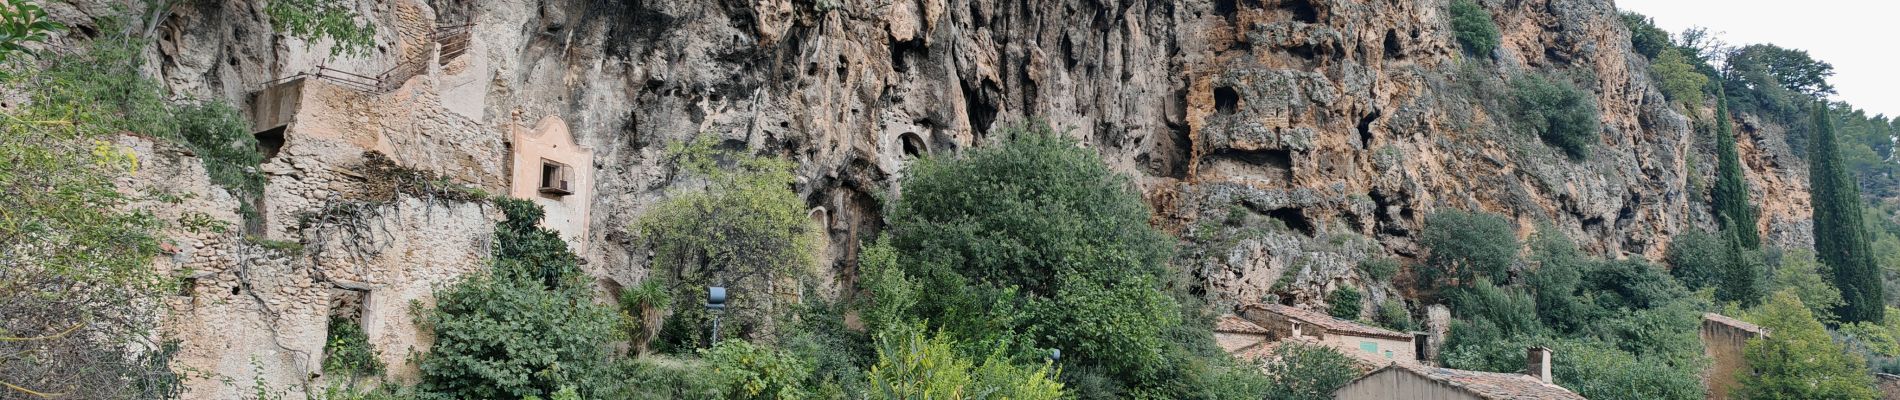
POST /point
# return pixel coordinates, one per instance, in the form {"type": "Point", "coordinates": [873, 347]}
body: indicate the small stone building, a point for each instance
{"type": "Point", "coordinates": [1235, 334]}
{"type": "Point", "coordinates": [1414, 381]}
{"type": "Point", "coordinates": [1287, 322]}
{"type": "Point", "coordinates": [1723, 339]}
{"type": "Point", "coordinates": [546, 166]}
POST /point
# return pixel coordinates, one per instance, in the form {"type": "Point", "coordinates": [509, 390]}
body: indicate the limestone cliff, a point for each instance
{"type": "Point", "coordinates": [1285, 141]}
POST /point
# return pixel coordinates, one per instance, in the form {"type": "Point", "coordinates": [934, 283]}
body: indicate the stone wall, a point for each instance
{"type": "Point", "coordinates": [1723, 340]}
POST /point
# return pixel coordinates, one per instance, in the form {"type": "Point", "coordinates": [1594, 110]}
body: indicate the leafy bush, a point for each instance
{"type": "Point", "coordinates": [913, 366]}
{"type": "Point", "coordinates": [1823, 369]}
{"type": "Point", "coordinates": [1473, 27]}
{"type": "Point", "coordinates": [1034, 243]}
{"type": "Point", "coordinates": [1465, 246]}
{"type": "Point", "coordinates": [1345, 303]}
{"type": "Point", "coordinates": [525, 328]}
{"type": "Point", "coordinates": [1645, 37]}
{"type": "Point", "coordinates": [347, 352]}
{"type": "Point", "coordinates": [1308, 372]}
{"type": "Point", "coordinates": [747, 230]}
{"type": "Point", "coordinates": [665, 378]}
{"type": "Point", "coordinates": [748, 371]}
{"type": "Point", "coordinates": [1380, 269]}
{"type": "Point", "coordinates": [1798, 272]}
{"type": "Point", "coordinates": [1696, 259]}
{"type": "Point", "coordinates": [1560, 113]}
{"type": "Point", "coordinates": [316, 20]}
{"type": "Point", "coordinates": [1394, 316]}
{"type": "Point", "coordinates": [1589, 367]}
{"type": "Point", "coordinates": [1679, 79]}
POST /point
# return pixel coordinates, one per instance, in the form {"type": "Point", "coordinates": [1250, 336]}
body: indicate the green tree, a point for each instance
{"type": "Point", "coordinates": [1301, 371]}
{"type": "Point", "coordinates": [1679, 79]}
{"type": "Point", "coordinates": [315, 20]}
{"type": "Point", "coordinates": [507, 333]}
{"type": "Point", "coordinates": [1744, 273]}
{"type": "Point", "coordinates": [745, 231]}
{"type": "Point", "coordinates": [1645, 37]}
{"type": "Point", "coordinates": [1798, 272]}
{"type": "Point", "coordinates": [1799, 360]}
{"type": "Point", "coordinates": [1840, 237]}
{"type": "Point", "coordinates": [1732, 209]}
{"type": "Point", "coordinates": [1561, 114]}
{"type": "Point", "coordinates": [1345, 301]}
{"type": "Point", "coordinates": [911, 365]}
{"type": "Point", "coordinates": [1033, 243]}
{"type": "Point", "coordinates": [1464, 246]}
{"type": "Point", "coordinates": [642, 308]}
{"type": "Point", "coordinates": [1473, 27]}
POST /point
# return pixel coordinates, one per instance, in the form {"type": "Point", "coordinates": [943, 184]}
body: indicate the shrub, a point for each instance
{"type": "Point", "coordinates": [1345, 303]}
{"type": "Point", "coordinates": [1465, 246]}
{"type": "Point", "coordinates": [517, 331]}
{"type": "Point", "coordinates": [1380, 269]}
{"type": "Point", "coordinates": [1560, 113]}
{"type": "Point", "coordinates": [747, 230]}
{"type": "Point", "coordinates": [1394, 316]}
{"type": "Point", "coordinates": [1696, 259]}
{"type": "Point", "coordinates": [641, 310]}
{"type": "Point", "coordinates": [1308, 372]}
{"type": "Point", "coordinates": [913, 366]}
{"type": "Point", "coordinates": [1473, 27]}
{"type": "Point", "coordinates": [1645, 37]}
{"type": "Point", "coordinates": [347, 352]}
{"type": "Point", "coordinates": [1799, 273]}
{"type": "Point", "coordinates": [748, 371]}
{"type": "Point", "coordinates": [1823, 369]}
{"type": "Point", "coordinates": [1034, 243]}
{"type": "Point", "coordinates": [1679, 80]}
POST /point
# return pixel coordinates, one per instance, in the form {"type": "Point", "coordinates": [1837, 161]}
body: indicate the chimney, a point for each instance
{"type": "Point", "coordinates": [1537, 363]}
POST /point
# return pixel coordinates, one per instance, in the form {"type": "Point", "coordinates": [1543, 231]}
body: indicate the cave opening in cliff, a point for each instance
{"type": "Point", "coordinates": [1302, 10]}
{"type": "Point", "coordinates": [1226, 100]}
{"type": "Point", "coordinates": [1293, 218]}
{"type": "Point", "coordinates": [1226, 8]}
{"type": "Point", "coordinates": [913, 146]}
{"type": "Point", "coordinates": [901, 51]}
{"type": "Point", "coordinates": [1393, 49]}
{"type": "Point", "coordinates": [270, 142]}
{"type": "Point", "coordinates": [1365, 129]}
{"type": "Point", "coordinates": [982, 113]}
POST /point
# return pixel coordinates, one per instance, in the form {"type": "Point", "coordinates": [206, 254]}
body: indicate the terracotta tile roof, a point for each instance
{"type": "Point", "coordinates": [1485, 385]}
{"type": "Point", "coordinates": [1331, 324]}
{"type": "Point", "coordinates": [1235, 324]}
{"type": "Point", "coordinates": [1366, 362]}
{"type": "Point", "coordinates": [1735, 323]}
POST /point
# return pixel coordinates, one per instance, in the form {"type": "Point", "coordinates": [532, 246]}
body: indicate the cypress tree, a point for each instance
{"type": "Point", "coordinates": [1839, 238]}
{"type": "Point", "coordinates": [1732, 210]}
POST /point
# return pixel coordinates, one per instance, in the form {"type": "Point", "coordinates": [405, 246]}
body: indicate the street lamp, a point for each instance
{"type": "Point", "coordinates": [715, 304]}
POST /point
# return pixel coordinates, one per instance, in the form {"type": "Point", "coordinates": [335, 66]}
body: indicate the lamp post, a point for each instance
{"type": "Point", "coordinates": [715, 304]}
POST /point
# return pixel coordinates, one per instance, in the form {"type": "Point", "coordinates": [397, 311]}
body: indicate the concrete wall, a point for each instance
{"type": "Point", "coordinates": [1723, 344]}
{"type": "Point", "coordinates": [1391, 384]}
{"type": "Point", "coordinates": [551, 141]}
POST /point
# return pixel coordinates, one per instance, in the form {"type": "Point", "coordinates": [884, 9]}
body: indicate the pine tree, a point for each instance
{"type": "Point", "coordinates": [1839, 238]}
{"type": "Point", "coordinates": [1732, 209]}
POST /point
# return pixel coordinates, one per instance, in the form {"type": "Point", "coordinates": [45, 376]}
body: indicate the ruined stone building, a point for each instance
{"type": "Point", "coordinates": [1723, 340]}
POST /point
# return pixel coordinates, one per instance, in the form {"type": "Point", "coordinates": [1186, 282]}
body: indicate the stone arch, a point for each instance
{"type": "Point", "coordinates": [912, 145]}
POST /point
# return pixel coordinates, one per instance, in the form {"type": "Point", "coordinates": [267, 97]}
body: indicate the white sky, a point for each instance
{"type": "Point", "coordinates": [1856, 36]}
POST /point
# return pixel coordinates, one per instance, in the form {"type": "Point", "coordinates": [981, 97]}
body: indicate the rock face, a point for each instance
{"type": "Point", "coordinates": [1286, 141]}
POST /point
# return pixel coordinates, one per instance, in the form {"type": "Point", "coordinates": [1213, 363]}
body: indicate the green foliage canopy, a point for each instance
{"type": "Point", "coordinates": [1473, 27]}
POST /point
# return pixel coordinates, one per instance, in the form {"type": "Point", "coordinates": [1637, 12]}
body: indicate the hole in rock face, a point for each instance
{"type": "Point", "coordinates": [1226, 100]}
{"type": "Point", "coordinates": [1302, 10]}
{"type": "Point", "coordinates": [270, 142]}
{"type": "Point", "coordinates": [1226, 8]}
{"type": "Point", "coordinates": [1294, 218]}
{"type": "Point", "coordinates": [913, 145]}
{"type": "Point", "coordinates": [1393, 49]}
{"type": "Point", "coordinates": [1365, 129]}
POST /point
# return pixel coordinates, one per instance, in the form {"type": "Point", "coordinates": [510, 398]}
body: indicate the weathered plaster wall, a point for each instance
{"type": "Point", "coordinates": [549, 140]}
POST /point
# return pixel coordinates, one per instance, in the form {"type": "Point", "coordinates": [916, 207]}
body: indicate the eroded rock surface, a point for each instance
{"type": "Point", "coordinates": [1286, 141]}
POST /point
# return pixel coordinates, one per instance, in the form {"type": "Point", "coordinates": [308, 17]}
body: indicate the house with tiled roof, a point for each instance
{"type": "Point", "coordinates": [1415, 381]}
{"type": "Point", "coordinates": [1287, 322]}
{"type": "Point", "coordinates": [1235, 334]}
